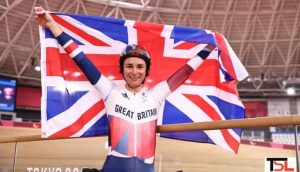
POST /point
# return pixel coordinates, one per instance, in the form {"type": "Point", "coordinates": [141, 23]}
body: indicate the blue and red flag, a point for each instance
{"type": "Point", "coordinates": [71, 106]}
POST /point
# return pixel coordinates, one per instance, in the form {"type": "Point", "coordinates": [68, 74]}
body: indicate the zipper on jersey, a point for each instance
{"type": "Point", "coordinates": [135, 140]}
{"type": "Point", "coordinates": [134, 129]}
{"type": "Point", "coordinates": [135, 133]}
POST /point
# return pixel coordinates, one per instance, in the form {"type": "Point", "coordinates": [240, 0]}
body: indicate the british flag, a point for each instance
{"type": "Point", "coordinates": [71, 106]}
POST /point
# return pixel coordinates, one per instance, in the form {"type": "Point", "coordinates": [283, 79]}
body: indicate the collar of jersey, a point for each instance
{"type": "Point", "coordinates": [124, 89]}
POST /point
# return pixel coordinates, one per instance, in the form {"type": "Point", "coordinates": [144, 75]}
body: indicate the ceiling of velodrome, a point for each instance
{"type": "Point", "coordinates": [265, 34]}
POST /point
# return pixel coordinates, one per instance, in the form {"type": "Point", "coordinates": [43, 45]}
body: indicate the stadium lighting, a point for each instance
{"type": "Point", "coordinates": [249, 79]}
{"type": "Point", "coordinates": [35, 64]}
{"type": "Point", "coordinates": [291, 91]}
{"type": "Point", "coordinates": [37, 68]}
{"type": "Point", "coordinates": [111, 77]}
{"type": "Point", "coordinates": [188, 81]}
{"type": "Point", "coordinates": [76, 74]}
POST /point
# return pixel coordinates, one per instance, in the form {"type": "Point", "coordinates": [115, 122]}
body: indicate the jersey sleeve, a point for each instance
{"type": "Point", "coordinates": [185, 71]}
{"type": "Point", "coordinates": [160, 91]}
{"type": "Point", "coordinates": [164, 88]}
{"type": "Point", "coordinates": [100, 82]}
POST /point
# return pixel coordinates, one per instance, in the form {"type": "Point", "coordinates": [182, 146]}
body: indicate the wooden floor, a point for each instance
{"type": "Point", "coordinates": [171, 155]}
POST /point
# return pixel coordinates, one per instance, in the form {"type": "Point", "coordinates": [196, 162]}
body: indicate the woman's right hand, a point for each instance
{"type": "Point", "coordinates": [45, 20]}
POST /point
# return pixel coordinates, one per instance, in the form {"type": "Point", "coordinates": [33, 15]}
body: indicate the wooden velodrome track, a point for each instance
{"type": "Point", "coordinates": [171, 155]}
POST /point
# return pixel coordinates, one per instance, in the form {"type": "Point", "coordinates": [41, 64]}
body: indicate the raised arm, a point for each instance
{"type": "Point", "coordinates": [164, 88]}
{"type": "Point", "coordinates": [102, 84]}
{"type": "Point", "coordinates": [184, 72]}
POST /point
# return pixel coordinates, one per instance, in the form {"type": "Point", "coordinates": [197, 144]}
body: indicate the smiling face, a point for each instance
{"type": "Point", "coordinates": [134, 73]}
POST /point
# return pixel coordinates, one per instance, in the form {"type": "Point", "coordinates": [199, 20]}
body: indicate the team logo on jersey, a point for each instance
{"type": "Point", "coordinates": [144, 97]}
{"type": "Point", "coordinates": [125, 95]}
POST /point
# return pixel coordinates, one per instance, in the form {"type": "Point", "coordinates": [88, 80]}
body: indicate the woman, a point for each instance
{"type": "Point", "coordinates": [131, 110]}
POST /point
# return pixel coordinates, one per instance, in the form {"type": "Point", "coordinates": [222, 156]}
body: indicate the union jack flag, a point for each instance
{"type": "Point", "coordinates": [71, 106]}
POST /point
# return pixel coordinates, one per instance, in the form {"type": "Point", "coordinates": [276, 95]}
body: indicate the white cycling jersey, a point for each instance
{"type": "Point", "coordinates": [132, 117]}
